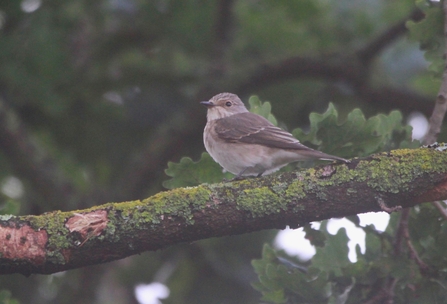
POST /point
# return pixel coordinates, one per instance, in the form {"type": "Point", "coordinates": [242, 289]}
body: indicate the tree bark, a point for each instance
{"type": "Point", "coordinates": [59, 241]}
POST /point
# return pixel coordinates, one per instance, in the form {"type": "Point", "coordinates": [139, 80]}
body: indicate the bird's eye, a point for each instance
{"type": "Point", "coordinates": [228, 104]}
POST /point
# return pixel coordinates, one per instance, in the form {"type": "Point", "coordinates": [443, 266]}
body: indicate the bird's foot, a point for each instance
{"type": "Point", "coordinates": [236, 178]}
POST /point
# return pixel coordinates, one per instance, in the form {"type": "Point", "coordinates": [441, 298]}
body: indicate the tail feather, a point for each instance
{"type": "Point", "coordinates": [314, 154]}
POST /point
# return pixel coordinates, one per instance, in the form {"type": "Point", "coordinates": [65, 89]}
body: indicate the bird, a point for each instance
{"type": "Point", "coordinates": [247, 144]}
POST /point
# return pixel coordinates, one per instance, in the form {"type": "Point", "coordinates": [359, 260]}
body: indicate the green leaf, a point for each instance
{"type": "Point", "coordinates": [188, 173]}
{"type": "Point", "coordinates": [262, 108]}
{"type": "Point", "coordinates": [275, 296]}
{"type": "Point", "coordinates": [373, 246]}
{"type": "Point", "coordinates": [357, 136]}
{"type": "Point", "coordinates": [268, 284]}
{"type": "Point", "coordinates": [6, 297]}
{"type": "Point", "coordinates": [315, 237]}
{"type": "Point", "coordinates": [354, 219]}
{"type": "Point", "coordinates": [10, 207]}
{"type": "Point", "coordinates": [334, 255]}
{"type": "Point", "coordinates": [312, 287]}
{"type": "Point", "coordinates": [268, 255]}
{"type": "Point", "coordinates": [279, 283]}
{"type": "Point", "coordinates": [429, 33]}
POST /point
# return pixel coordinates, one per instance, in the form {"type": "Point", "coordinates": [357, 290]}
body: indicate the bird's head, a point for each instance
{"type": "Point", "coordinates": [224, 105]}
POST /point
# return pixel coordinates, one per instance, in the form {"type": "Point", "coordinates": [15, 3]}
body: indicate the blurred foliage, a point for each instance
{"type": "Point", "coordinates": [430, 35]}
{"type": "Point", "coordinates": [5, 298]}
{"type": "Point", "coordinates": [10, 207]}
{"type": "Point", "coordinates": [262, 108]}
{"type": "Point", "coordinates": [106, 93]}
{"type": "Point", "coordinates": [332, 278]}
{"type": "Point", "coordinates": [188, 173]}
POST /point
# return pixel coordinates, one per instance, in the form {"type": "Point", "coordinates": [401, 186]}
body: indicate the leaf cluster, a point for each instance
{"type": "Point", "coordinates": [429, 34]}
{"type": "Point", "coordinates": [331, 278]}
{"type": "Point", "coordinates": [6, 297]}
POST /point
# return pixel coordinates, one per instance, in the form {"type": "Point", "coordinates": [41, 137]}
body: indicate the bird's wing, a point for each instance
{"type": "Point", "coordinates": [254, 129]}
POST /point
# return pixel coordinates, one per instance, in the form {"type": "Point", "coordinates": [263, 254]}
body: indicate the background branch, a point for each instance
{"type": "Point", "coordinates": [367, 53]}
{"type": "Point", "coordinates": [435, 121]}
{"type": "Point", "coordinates": [32, 163]}
{"type": "Point", "coordinates": [222, 29]}
{"type": "Point", "coordinates": [304, 67]}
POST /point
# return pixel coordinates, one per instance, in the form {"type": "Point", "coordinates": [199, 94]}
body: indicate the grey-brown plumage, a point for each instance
{"type": "Point", "coordinates": [246, 144]}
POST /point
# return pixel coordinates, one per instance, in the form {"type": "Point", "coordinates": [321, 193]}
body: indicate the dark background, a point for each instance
{"type": "Point", "coordinates": [97, 96]}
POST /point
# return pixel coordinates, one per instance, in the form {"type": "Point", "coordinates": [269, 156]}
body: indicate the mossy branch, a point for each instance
{"type": "Point", "coordinates": [59, 241]}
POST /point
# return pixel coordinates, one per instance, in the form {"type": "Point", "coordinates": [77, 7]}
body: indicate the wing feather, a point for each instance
{"type": "Point", "coordinates": [254, 129]}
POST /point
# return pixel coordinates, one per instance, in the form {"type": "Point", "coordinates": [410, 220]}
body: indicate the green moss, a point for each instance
{"type": "Point", "coordinates": [53, 224]}
{"type": "Point", "coordinates": [278, 187]}
{"type": "Point", "coordinates": [181, 202]}
{"type": "Point", "coordinates": [296, 190]}
{"type": "Point", "coordinates": [6, 217]}
{"type": "Point", "coordinates": [260, 201]}
{"type": "Point", "coordinates": [396, 173]}
{"type": "Point", "coordinates": [351, 191]}
{"type": "Point", "coordinates": [229, 193]}
{"type": "Point", "coordinates": [317, 183]}
{"type": "Point", "coordinates": [55, 257]}
{"type": "Point", "coordinates": [322, 195]}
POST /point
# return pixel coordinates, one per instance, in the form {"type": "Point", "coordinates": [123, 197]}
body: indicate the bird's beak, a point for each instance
{"type": "Point", "coordinates": [207, 104]}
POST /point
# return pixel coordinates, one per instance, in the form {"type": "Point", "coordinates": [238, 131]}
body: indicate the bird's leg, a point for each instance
{"type": "Point", "coordinates": [240, 177]}
{"type": "Point", "coordinates": [237, 177]}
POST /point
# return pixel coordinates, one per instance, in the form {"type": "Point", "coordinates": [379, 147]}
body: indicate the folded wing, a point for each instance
{"type": "Point", "coordinates": [250, 128]}
{"type": "Point", "coordinates": [254, 129]}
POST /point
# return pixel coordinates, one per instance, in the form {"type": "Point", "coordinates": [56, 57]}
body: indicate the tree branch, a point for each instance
{"type": "Point", "coordinates": [59, 241]}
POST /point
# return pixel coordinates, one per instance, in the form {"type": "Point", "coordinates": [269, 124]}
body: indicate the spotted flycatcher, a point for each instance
{"type": "Point", "coordinates": [247, 144]}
